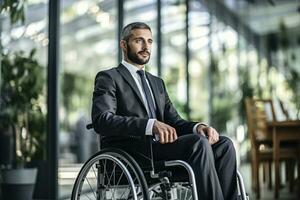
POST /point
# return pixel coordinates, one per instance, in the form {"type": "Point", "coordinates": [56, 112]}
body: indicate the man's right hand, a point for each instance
{"type": "Point", "coordinates": [166, 133]}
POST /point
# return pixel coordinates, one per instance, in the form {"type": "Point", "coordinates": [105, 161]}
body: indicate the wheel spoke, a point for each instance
{"type": "Point", "coordinates": [105, 175]}
{"type": "Point", "coordinates": [87, 179]}
{"type": "Point", "coordinates": [186, 192]}
{"type": "Point", "coordinates": [180, 193]}
{"type": "Point", "coordinates": [114, 181]}
{"type": "Point", "coordinates": [112, 173]}
{"type": "Point", "coordinates": [124, 193]}
{"type": "Point", "coordinates": [96, 177]}
{"type": "Point", "coordinates": [121, 175]}
{"type": "Point", "coordinates": [88, 197]}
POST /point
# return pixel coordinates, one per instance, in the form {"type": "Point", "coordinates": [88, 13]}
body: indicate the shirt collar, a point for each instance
{"type": "Point", "coordinates": [131, 68]}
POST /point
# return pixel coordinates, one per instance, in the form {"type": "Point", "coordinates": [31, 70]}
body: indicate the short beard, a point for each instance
{"type": "Point", "coordinates": [134, 58]}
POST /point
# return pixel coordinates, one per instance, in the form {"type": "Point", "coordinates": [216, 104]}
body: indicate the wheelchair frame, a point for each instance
{"type": "Point", "coordinates": [113, 174]}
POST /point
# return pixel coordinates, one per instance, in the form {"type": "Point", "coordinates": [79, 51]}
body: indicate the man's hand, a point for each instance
{"type": "Point", "coordinates": [211, 134]}
{"type": "Point", "coordinates": [166, 133]}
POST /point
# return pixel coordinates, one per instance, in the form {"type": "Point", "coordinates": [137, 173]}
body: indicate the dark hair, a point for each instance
{"type": "Point", "coordinates": [126, 32]}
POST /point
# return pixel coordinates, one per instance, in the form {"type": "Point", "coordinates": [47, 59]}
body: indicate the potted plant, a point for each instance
{"type": "Point", "coordinates": [21, 115]}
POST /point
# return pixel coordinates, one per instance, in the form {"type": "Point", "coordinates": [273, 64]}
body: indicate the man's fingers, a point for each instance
{"type": "Point", "coordinates": [171, 139]}
{"type": "Point", "coordinates": [161, 138]}
{"type": "Point", "coordinates": [210, 140]}
{"type": "Point", "coordinates": [166, 135]}
{"type": "Point", "coordinates": [210, 131]}
{"type": "Point", "coordinates": [210, 135]}
{"type": "Point", "coordinates": [213, 135]}
{"type": "Point", "coordinates": [175, 136]}
{"type": "Point", "coordinates": [216, 135]}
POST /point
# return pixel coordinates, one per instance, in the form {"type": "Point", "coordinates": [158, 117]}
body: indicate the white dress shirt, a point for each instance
{"type": "Point", "coordinates": [133, 71]}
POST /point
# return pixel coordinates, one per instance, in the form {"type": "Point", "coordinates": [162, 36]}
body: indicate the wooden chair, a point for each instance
{"type": "Point", "coordinates": [261, 137]}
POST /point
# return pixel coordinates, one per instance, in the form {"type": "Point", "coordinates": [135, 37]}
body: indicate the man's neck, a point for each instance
{"type": "Point", "coordinates": [136, 65]}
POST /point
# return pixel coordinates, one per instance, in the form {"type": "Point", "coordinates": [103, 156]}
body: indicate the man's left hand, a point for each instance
{"type": "Point", "coordinates": [211, 133]}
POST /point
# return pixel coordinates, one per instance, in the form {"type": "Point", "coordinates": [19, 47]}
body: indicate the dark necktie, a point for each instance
{"type": "Point", "coordinates": [147, 94]}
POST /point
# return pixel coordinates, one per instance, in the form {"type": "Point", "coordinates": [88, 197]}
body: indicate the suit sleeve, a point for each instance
{"type": "Point", "coordinates": [104, 117]}
{"type": "Point", "coordinates": [172, 117]}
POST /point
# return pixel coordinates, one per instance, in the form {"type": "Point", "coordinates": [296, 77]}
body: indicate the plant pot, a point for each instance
{"type": "Point", "coordinates": [18, 184]}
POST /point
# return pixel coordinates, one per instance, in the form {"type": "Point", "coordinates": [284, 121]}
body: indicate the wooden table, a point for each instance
{"type": "Point", "coordinates": [284, 131]}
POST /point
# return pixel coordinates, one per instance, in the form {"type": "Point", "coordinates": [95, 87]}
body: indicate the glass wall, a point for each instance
{"type": "Point", "coordinates": [173, 52]}
{"type": "Point", "coordinates": [23, 64]}
{"type": "Point", "coordinates": [23, 84]}
{"type": "Point", "coordinates": [199, 21]}
{"type": "Point", "coordinates": [88, 44]}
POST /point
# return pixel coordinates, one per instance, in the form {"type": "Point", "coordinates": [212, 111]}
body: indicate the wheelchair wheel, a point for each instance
{"type": "Point", "coordinates": [110, 174]}
{"type": "Point", "coordinates": [177, 191]}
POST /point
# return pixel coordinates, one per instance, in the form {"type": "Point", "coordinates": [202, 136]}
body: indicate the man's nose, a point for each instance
{"type": "Point", "coordinates": [146, 46]}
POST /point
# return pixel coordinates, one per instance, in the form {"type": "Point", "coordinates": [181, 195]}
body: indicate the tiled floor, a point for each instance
{"type": "Point", "coordinates": [266, 194]}
{"type": "Point", "coordinates": [67, 175]}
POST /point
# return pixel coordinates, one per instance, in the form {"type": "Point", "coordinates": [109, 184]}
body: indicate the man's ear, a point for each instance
{"type": "Point", "coordinates": [123, 45]}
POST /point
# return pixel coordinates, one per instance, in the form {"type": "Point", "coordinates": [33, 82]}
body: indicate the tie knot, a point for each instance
{"type": "Point", "coordinates": [141, 73]}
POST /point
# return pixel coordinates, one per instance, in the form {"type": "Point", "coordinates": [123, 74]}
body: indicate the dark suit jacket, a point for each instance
{"type": "Point", "coordinates": [118, 111]}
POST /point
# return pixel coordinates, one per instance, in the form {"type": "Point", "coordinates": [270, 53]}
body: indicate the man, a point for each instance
{"type": "Point", "coordinates": [129, 103]}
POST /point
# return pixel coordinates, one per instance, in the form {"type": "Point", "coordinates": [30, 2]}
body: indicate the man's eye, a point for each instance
{"type": "Point", "coordinates": [138, 40]}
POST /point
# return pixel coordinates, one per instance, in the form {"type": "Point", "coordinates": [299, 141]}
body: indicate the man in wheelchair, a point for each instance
{"type": "Point", "coordinates": [130, 103]}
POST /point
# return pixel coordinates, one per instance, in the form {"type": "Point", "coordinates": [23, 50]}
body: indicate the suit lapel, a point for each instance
{"type": "Point", "coordinates": [155, 91]}
{"type": "Point", "coordinates": [128, 78]}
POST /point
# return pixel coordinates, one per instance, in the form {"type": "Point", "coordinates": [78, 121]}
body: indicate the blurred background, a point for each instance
{"type": "Point", "coordinates": [211, 54]}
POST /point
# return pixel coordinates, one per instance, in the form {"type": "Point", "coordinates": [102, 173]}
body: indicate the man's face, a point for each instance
{"type": "Point", "coordinates": [139, 46]}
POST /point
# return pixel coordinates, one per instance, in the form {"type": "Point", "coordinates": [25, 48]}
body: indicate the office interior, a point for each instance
{"type": "Point", "coordinates": [212, 55]}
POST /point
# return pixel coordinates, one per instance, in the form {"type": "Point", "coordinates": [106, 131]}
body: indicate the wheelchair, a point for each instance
{"type": "Point", "coordinates": [113, 174]}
